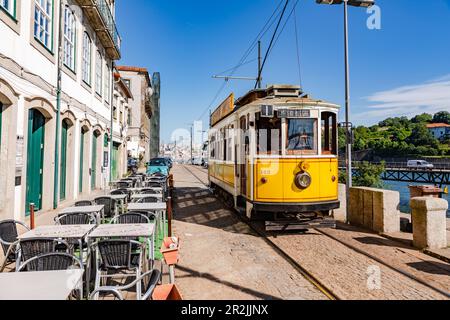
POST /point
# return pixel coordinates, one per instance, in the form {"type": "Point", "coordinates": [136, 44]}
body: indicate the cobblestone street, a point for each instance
{"type": "Point", "coordinates": [224, 259]}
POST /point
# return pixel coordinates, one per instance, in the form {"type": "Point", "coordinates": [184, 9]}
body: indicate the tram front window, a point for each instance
{"type": "Point", "coordinates": [302, 136]}
{"type": "Point", "coordinates": [269, 135]}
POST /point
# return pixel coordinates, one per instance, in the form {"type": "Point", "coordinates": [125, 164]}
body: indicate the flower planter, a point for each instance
{"type": "Point", "coordinates": [167, 292]}
{"type": "Point", "coordinates": [170, 255]}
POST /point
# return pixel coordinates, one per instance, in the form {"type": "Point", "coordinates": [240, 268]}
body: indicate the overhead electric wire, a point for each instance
{"type": "Point", "coordinates": [242, 62]}
{"type": "Point", "coordinates": [271, 42]}
{"type": "Point", "coordinates": [298, 49]}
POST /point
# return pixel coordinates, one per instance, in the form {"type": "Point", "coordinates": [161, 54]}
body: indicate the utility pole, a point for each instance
{"type": "Point", "coordinates": [259, 65]}
{"type": "Point", "coordinates": [192, 146]}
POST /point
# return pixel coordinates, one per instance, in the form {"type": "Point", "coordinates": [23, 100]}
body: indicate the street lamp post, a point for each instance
{"type": "Point", "coordinates": [348, 126]}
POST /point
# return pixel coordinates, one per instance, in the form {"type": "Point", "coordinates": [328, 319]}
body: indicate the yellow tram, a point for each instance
{"type": "Point", "coordinates": [273, 156]}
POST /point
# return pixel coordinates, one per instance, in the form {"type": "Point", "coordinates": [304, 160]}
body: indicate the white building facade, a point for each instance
{"type": "Point", "coordinates": [54, 150]}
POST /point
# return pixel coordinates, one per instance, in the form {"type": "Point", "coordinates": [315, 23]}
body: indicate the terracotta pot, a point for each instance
{"type": "Point", "coordinates": [167, 292]}
{"type": "Point", "coordinates": [170, 256]}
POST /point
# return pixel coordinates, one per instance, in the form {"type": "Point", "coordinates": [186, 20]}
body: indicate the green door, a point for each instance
{"type": "Point", "coordinates": [35, 159]}
{"type": "Point", "coordinates": [63, 169]}
{"type": "Point", "coordinates": [94, 162]}
{"type": "Point", "coordinates": [114, 159]}
{"type": "Point", "coordinates": [82, 138]}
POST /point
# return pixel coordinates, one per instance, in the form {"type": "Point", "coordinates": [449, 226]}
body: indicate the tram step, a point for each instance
{"type": "Point", "coordinates": [292, 225]}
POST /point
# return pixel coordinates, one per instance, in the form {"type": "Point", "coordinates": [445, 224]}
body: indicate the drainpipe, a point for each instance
{"type": "Point", "coordinates": [113, 82]}
{"type": "Point", "coordinates": [58, 108]}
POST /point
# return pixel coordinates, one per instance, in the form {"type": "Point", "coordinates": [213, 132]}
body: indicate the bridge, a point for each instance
{"type": "Point", "coordinates": [439, 175]}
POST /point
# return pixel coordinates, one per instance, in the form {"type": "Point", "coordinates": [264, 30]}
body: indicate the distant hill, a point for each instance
{"type": "Point", "coordinates": [401, 136]}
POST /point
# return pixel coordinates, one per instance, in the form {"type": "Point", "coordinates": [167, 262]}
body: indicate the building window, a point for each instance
{"type": "Point", "coordinates": [129, 117]}
{"type": "Point", "coordinates": [87, 58]}
{"type": "Point", "coordinates": [9, 6]}
{"type": "Point", "coordinates": [43, 22]}
{"type": "Point", "coordinates": [127, 83]}
{"type": "Point", "coordinates": [98, 73]}
{"type": "Point", "coordinates": [107, 84]}
{"type": "Point", "coordinates": [69, 38]}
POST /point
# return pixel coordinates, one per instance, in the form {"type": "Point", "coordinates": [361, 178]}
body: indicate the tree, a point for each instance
{"type": "Point", "coordinates": [442, 117]}
{"type": "Point", "coordinates": [422, 118]}
{"type": "Point", "coordinates": [369, 175]}
{"type": "Point", "coordinates": [421, 136]}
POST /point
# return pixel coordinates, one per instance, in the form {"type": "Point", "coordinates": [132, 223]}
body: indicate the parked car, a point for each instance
{"type": "Point", "coordinates": [158, 165]}
{"type": "Point", "coordinates": [420, 164]}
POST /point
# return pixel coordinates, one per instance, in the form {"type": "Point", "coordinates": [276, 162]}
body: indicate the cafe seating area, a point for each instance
{"type": "Point", "coordinates": [106, 248]}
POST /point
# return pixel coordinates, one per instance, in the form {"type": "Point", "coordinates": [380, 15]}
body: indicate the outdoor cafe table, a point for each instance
{"type": "Point", "coordinates": [151, 207]}
{"type": "Point", "coordinates": [125, 231]}
{"type": "Point", "coordinates": [97, 209]}
{"type": "Point", "coordinates": [77, 232]}
{"type": "Point", "coordinates": [45, 285]}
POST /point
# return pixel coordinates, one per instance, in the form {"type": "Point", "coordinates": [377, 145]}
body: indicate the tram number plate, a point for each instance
{"type": "Point", "coordinates": [286, 113]}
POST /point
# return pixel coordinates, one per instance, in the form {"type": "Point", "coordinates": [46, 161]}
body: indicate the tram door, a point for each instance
{"type": "Point", "coordinates": [244, 148]}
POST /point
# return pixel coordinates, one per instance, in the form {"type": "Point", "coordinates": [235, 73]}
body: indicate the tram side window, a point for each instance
{"type": "Point", "coordinates": [329, 133]}
{"type": "Point", "coordinates": [213, 147]}
{"type": "Point", "coordinates": [302, 136]}
{"type": "Point", "coordinates": [269, 135]}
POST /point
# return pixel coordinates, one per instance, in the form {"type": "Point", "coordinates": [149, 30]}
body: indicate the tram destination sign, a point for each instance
{"type": "Point", "coordinates": [294, 114]}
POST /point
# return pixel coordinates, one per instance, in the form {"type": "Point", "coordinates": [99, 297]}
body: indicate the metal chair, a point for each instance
{"type": "Point", "coordinates": [124, 185]}
{"type": "Point", "coordinates": [154, 277]}
{"type": "Point", "coordinates": [114, 257]}
{"type": "Point", "coordinates": [8, 240]}
{"type": "Point", "coordinates": [84, 203]}
{"type": "Point", "coordinates": [131, 218]}
{"type": "Point", "coordinates": [109, 210]}
{"type": "Point", "coordinates": [33, 247]}
{"type": "Point", "coordinates": [54, 261]}
{"type": "Point", "coordinates": [76, 218]}
{"type": "Point", "coordinates": [152, 184]}
{"type": "Point", "coordinates": [122, 191]}
{"type": "Point", "coordinates": [147, 191]}
{"type": "Point", "coordinates": [148, 200]}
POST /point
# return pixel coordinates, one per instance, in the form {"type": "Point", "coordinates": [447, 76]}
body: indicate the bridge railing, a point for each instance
{"type": "Point", "coordinates": [397, 165]}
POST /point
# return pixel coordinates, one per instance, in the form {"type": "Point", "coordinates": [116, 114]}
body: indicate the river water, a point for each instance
{"type": "Point", "coordinates": [402, 187]}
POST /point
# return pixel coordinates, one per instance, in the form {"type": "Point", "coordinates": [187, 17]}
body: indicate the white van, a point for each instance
{"type": "Point", "coordinates": [420, 164]}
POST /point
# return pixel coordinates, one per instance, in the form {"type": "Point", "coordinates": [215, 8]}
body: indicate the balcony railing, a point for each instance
{"type": "Point", "coordinates": [103, 22]}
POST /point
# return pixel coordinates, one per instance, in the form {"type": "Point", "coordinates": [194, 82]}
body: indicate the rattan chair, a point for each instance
{"type": "Point", "coordinates": [109, 209]}
{"type": "Point", "coordinates": [117, 259]}
{"type": "Point", "coordinates": [148, 200]}
{"type": "Point", "coordinates": [33, 247]}
{"type": "Point", "coordinates": [131, 218]}
{"type": "Point", "coordinates": [153, 276]}
{"type": "Point", "coordinates": [9, 241]}
{"type": "Point", "coordinates": [76, 218]}
{"type": "Point", "coordinates": [51, 262]}
{"type": "Point", "coordinates": [84, 203]}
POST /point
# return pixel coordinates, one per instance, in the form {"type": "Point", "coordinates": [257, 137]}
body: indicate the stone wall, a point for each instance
{"type": "Point", "coordinates": [375, 209]}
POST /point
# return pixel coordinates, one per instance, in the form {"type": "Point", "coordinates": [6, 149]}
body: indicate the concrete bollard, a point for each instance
{"type": "Point", "coordinates": [429, 222]}
{"type": "Point", "coordinates": [341, 213]}
{"type": "Point", "coordinates": [375, 209]}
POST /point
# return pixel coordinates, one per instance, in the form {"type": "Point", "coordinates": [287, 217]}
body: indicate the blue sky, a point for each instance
{"type": "Point", "coordinates": [402, 69]}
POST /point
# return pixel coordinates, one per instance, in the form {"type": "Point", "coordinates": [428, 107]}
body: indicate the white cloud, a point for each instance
{"type": "Point", "coordinates": [431, 97]}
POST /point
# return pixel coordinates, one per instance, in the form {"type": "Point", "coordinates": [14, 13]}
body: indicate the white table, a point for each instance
{"type": "Point", "coordinates": [45, 285]}
{"type": "Point", "coordinates": [77, 232]}
{"type": "Point", "coordinates": [136, 190]}
{"type": "Point", "coordinates": [151, 207]}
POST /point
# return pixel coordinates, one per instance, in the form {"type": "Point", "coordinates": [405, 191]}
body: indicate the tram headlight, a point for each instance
{"type": "Point", "coordinates": [303, 180]}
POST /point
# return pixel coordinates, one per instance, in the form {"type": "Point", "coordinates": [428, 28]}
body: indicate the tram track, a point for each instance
{"type": "Point", "coordinates": [305, 273]}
